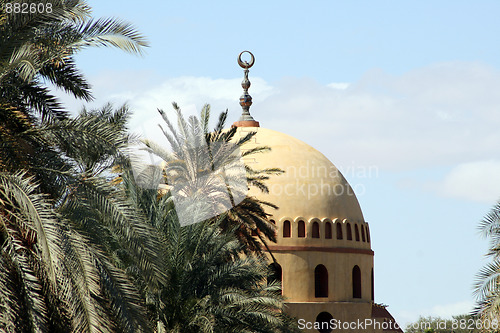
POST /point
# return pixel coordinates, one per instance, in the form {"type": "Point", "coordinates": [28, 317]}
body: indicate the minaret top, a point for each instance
{"type": "Point", "coordinates": [246, 120]}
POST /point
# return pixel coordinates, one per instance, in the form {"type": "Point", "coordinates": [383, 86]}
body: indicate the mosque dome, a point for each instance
{"type": "Point", "coordinates": [322, 255]}
{"type": "Point", "coordinates": [310, 187]}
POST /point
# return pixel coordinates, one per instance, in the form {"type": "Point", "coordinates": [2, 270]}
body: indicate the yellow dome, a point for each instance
{"type": "Point", "coordinates": [311, 187]}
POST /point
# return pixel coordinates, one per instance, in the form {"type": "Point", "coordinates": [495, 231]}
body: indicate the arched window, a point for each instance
{"type": "Point", "coordinates": [275, 274]}
{"type": "Point", "coordinates": [339, 231]}
{"type": "Point", "coordinates": [356, 282]}
{"type": "Point", "coordinates": [320, 281]}
{"type": "Point", "coordinates": [328, 230]}
{"type": "Point", "coordinates": [301, 229]}
{"type": "Point", "coordinates": [367, 234]}
{"type": "Point", "coordinates": [373, 287]}
{"type": "Point", "coordinates": [349, 231]}
{"type": "Point", "coordinates": [315, 231]}
{"type": "Point", "coordinates": [356, 231]}
{"type": "Point", "coordinates": [323, 320]}
{"type": "Point", "coordinates": [363, 234]}
{"type": "Point", "coordinates": [286, 229]}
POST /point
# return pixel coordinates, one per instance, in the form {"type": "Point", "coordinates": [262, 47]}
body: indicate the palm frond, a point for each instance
{"type": "Point", "coordinates": [65, 75]}
{"type": "Point", "coordinates": [92, 141]}
{"type": "Point", "coordinates": [109, 32]}
{"type": "Point", "coordinates": [33, 299]}
{"type": "Point", "coordinates": [486, 287]}
{"type": "Point", "coordinates": [117, 212]}
{"type": "Point", "coordinates": [205, 118]}
{"type": "Point", "coordinates": [35, 212]}
{"type": "Point", "coordinates": [490, 224]}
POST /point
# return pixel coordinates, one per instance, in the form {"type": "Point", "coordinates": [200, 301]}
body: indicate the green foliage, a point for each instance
{"type": "Point", "coordinates": [211, 286]}
{"type": "Point", "coordinates": [40, 47]}
{"type": "Point", "coordinates": [79, 253]}
{"type": "Point", "coordinates": [214, 282]}
{"type": "Point", "coordinates": [56, 275]}
{"type": "Point", "coordinates": [486, 287]}
{"type": "Point", "coordinates": [196, 153]}
{"type": "Point", "coordinates": [54, 250]}
{"type": "Point", "coordinates": [44, 42]}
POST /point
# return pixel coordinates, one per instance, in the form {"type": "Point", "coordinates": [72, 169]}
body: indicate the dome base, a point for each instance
{"type": "Point", "coordinates": [246, 123]}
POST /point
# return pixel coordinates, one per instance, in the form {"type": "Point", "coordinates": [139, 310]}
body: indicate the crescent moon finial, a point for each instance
{"type": "Point", "coordinates": [245, 64]}
{"type": "Point", "coordinates": [246, 119]}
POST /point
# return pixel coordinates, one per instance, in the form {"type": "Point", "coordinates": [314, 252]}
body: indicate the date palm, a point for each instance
{"type": "Point", "coordinates": [72, 245]}
{"type": "Point", "coordinates": [59, 216]}
{"type": "Point", "coordinates": [212, 286]}
{"type": "Point", "coordinates": [40, 47]}
{"type": "Point", "coordinates": [487, 286]}
{"type": "Point", "coordinates": [201, 163]}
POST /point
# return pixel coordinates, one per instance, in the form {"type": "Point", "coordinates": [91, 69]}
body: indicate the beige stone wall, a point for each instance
{"type": "Point", "coordinates": [313, 190]}
{"type": "Point", "coordinates": [298, 275]}
{"type": "Point", "coordinates": [342, 312]}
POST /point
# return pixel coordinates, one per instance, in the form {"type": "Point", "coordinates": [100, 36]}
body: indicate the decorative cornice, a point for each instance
{"type": "Point", "coordinates": [284, 248]}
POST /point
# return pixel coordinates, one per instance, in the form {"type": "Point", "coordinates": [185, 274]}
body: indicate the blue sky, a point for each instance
{"type": "Point", "coordinates": [407, 90]}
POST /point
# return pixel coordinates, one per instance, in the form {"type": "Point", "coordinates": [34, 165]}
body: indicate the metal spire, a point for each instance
{"type": "Point", "coordinates": [246, 120]}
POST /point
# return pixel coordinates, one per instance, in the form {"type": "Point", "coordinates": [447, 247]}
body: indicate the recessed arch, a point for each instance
{"type": "Point", "coordinates": [328, 230]}
{"type": "Point", "coordinates": [349, 231]}
{"type": "Point", "coordinates": [320, 281]}
{"type": "Point", "coordinates": [356, 282]}
{"type": "Point", "coordinates": [356, 232]}
{"type": "Point", "coordinates": [339, 230]}
{"type": "Point", "coordinates": [315, 230]}
{"type": "Point", "coordinates": [301, 229]}
{"type": "Point", "coordinates": [286, 229]}
{"type": "Point", "coordinates": [275, 273]}
{"type": "Point", "coordinates": [323, 320]}
{"type": "Point", "coordinates": [363, 238]}
{"type": "Point", "coordinates": [367, 234]}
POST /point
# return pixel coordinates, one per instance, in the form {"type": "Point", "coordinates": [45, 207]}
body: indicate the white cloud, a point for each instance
{"type": "Point", "coordinates": [453, 309]}
{"type": "Point", "coordinates": [145, 93]}
{"type": "Point", "coordinates": [444, 311]}
{"type": "Point", "coordinates": [440, 115]}
{"type": "Point", "coordinates": [193, 92]}
{"type": "Point", "coordinates": [477, 181]}
{"type": "Point", "coordinates": [339, 85]}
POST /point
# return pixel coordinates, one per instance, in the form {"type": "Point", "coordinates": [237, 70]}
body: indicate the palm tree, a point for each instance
{"type": "Point", "coordinates": [206, 166]}
{"type": "Point", "coordinates": [39, 47]}
{"type": "Point", "coordinates": [216, 269]}
{"type": "Point", "coordinates": [61, 257]}
{"type": "Point", "coordinates": [211, 285]}
{"type": "Point", "coordinates": [487, 286]}
{"type": "Point", "coordinates": [61, 221]}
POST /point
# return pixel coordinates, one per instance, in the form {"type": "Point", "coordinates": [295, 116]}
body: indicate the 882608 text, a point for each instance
{"type": "Point", "coordinates": [28, 8]}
